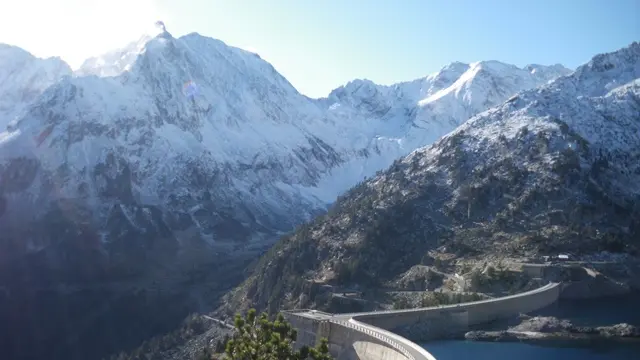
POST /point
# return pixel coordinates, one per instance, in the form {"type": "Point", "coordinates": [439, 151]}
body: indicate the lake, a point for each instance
{"type": "Point", "coordinates": [594, 312]}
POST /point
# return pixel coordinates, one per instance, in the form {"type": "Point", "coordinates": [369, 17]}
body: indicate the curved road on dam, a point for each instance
{"type": "Point", "coordinates": [408, 348]}
{"type": "Point", "coordinates": [441, 307]}
{"type": "Point", "coordinates": [480, 311]}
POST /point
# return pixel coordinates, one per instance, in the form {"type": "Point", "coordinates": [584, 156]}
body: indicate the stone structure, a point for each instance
{"type": "Point", "coordinates": [352, 340]}
{"type": "Point", "coordinates": [377, 335]}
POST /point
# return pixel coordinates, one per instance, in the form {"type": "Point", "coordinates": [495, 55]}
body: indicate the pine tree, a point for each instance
{"type": "Point", "coordinates": [258, 338]}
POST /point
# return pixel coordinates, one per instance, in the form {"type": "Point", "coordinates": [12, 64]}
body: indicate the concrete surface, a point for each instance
{"type": "Point", "coordinates": [374, 335]}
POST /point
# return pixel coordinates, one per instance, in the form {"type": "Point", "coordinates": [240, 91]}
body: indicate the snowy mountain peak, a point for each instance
{"type": "Point", "coordinates": [17, 54]}
{"type": "Point", "coordinates": [599, 102]}
{"type": "Point", "coordinates": [455, 66]}
{"type": "Point", "coordinates": [609, 70]}
{"type": "Point", "coordinates": [625, 57]}
{"type": "Point", "coordinates": [547, 73]}
{"type": "Point", "coordinates": [23, 77]}
{"type": "Point", "coordinates": [535, 68]}
{"type": "Point", "coordinates": [483, 84]}
{"type": "Point", "coordinates": [441, 79]}
{"type": "Point", "coordinates": [192, 57]}
{"type": "Point", "coordinates": [456, 78]}
{"type": "Point", "coordinates": [118, 61]}
{"type": "Point", "coordinates": [451, 70]}
{"type": "Point", "coordinates": [15, 62]}
{"type": "Point", "coordinates": [493, 65]}
{"type": "Point", "coordinates": [358, 88]}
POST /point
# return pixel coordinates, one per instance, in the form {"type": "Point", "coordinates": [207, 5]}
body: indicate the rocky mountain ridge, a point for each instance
{"type": "Point", "coordinates": [553, 169]}
{"type": "Point", "coordinates": [251, 156]}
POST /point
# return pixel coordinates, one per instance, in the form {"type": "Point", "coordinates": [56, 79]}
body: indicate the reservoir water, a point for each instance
{"type": "Point", "coordinates": [595, 312]}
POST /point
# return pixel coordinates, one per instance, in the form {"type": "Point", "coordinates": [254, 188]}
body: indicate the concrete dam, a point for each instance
{"type": "Point", "coordinates": [384, 335]}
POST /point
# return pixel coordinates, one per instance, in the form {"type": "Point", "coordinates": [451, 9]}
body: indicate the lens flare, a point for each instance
{"type": "Point", "coordinates": [189, 89]}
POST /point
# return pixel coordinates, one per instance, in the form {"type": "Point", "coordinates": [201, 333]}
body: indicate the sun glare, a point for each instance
{"type": "Point", "coordinates": [77, 29]}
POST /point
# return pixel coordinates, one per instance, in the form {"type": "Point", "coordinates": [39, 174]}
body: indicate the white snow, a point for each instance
{"type": "Point", "coordinates": [251, 124]}
{"type": "Point", "coordinates": [600, 104]}
{"type": "Point", "coordinates": [23, 77]}
{"type": "Point", "coordinates": [115, 62]}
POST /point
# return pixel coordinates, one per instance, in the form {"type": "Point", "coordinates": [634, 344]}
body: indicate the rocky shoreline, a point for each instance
{"type": "Point", "coordinates": [548, 328]}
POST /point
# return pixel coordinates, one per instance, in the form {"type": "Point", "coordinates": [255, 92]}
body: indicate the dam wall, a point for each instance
{"type": "Point", "coordinates": [442, 321]}
{"type": "Point", "coordinates": [384, 335]}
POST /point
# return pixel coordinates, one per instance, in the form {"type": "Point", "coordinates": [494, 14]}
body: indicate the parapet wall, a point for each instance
{"type": "Point", "coordinates": [352, 341]}
{"type": "Point", "coordinates": [347, 341]}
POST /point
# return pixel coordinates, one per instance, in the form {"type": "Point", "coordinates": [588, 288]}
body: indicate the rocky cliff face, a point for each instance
{"type": "Point", "coordinates": [550, 170]}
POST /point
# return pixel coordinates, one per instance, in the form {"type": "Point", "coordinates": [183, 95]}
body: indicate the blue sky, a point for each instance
{"type": "Point", "coordinates": [319, 45]}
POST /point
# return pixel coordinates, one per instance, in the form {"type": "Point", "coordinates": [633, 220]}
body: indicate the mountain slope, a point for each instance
{"type": "Point", "coordinates": [124, 138]}
{"type": "Point", "coordinates": [146, 182]}
{"type": "Point", "coordinates": [23, 77]}
{"type": "Point", "coordinates": [552, 169]}
{"type": "Point", "coordinates": [128, 196]}
{"type": "Point", "coordinates": [141, 123]}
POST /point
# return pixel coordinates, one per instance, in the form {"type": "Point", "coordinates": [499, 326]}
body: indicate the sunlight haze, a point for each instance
{"type": "Point", "coordinates": [319, 46]}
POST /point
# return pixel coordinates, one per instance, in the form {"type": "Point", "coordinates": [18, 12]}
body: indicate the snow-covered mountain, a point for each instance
{"type": "Point", "coordinates": [394, 120]}
{"type": "Point", "coordinates": [551, 170]}
{"type": "Point", "coordinates": [160, 165]}
{"type": "Point", "coordinates": [193, 135]}
{"type": "Point", "coordinates": [115, 62]}
{"type": "Point", "coordinates": [23, 77]}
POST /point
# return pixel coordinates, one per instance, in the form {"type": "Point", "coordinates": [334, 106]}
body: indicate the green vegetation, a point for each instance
{"type": "Point", "coordinates": [439, 298]}
{"type": "Point", "coordinates": [499, 276]}
{"type": "Point", "coordinates": [258, 338]}
{"type": "Point", "coordinates": [435, 298]}
{"type": "Point", "coordinates": [401, 303]}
